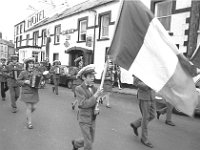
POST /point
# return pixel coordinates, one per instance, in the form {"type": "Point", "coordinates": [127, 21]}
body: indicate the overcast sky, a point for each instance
{"type": "Point", "coordinates": [15, 11]}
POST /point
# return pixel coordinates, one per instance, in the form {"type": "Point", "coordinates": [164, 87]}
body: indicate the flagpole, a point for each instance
{"type": "Point", "coordinates": [195, 51]}
{"type": "Point", "coordinates": [96, 110]}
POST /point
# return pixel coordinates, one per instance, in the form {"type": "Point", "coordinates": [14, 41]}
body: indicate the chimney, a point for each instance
{"type": "Point", "coordinates": [0, 35]}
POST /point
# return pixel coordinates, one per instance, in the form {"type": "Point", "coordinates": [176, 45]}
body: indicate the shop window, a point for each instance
{"type": "Point", "coordinates": [163, 11]}
{"type": "Point", "coordinates": [57, 34]}
{"type": "Point", "coordinates": [55, 56]}
{"type": "Point", "coordinates": [82, 30]}
{"type": "Point", "coordinates": [35, 55]}
{"type": "Point", "coordinates": [44, 37]}
{"type": "Point", "coordinates": [35, 38]}
{"type": "Point", "coordinates": [104, 25]}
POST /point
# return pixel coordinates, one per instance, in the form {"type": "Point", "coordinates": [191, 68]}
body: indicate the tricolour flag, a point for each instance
{"type": "Point", "coordinates": [142, 46]}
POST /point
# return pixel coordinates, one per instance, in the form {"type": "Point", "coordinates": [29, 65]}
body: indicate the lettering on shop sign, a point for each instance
{"type": "Point", "coordinates": [36, 18]}
{"type": "Point", "coordinates": [69, 31]}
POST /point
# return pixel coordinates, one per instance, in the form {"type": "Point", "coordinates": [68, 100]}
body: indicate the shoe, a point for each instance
{"type": "Point", "coordinates": [3, 99]}
{"type": "Point", "coordinates": [134, 129]}
{"type": "Point", "coordinates": [14, 109]}
{"type": "Point", "coordinates": [147, 143]}
{"type": "Point", "coordinates": [73, 144]}
{"type": "Point", "coordinates": [158, 114]}
{"type": "Point", "coordinates": [29, 126]}
{"type": "Point", "coordinates": [108, 106]}
{"type": "Point", "coordinates": [120, 88]}
{"type": "Point", "coordinates": [53, 89]}
{"type": "Point", "coordinates": [170, 123]}
{"type": "Point", "coordinates": [73, 106]}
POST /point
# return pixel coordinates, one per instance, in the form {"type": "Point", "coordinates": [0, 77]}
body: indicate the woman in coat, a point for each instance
{"type": "Point", "coordinates": [29, 93]}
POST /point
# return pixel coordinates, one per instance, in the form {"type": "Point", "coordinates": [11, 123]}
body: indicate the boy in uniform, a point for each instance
{"type": "Point", "coordinates": [87, 95]}
{"type": "Point", "coordinates": [4, 86]}
{"type": "Point", "coordinates": [55, 71]}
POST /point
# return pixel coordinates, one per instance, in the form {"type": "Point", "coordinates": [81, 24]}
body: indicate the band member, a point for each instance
{"type": "Point", "coordinates": [87, 95]}
{"type": "Point", "coordinates": [78, 81]}
{"type": "Point", "coordinates": [117, 76]}
{"type": "Point", "coordinates": [29, 80]}
{"type": "Point", "coordinates": [55, 71]}
{"type": "Point", "coordinates": [147, 107]}
{"type": "Point", "coordinates": [13, 69]}
{"type": "Point", "coordinates": [107, 86]}
{"type": "Point", "coordinates": [3, 79]}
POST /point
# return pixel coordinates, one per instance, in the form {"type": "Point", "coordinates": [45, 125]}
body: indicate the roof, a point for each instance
{"type": "Point", "coordinates": [72, 11]}
{"type": "Point", "coordinates": [5, 42]}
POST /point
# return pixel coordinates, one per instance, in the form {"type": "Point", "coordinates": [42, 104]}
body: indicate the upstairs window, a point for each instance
{"type": "Point", "coordinates": [20, 40]}
{"type": "Point", "coordinates": [57, 34]}
{"type": "Point", "coordinates": [82, 30]}
{"type": "Point", "coordinates": [44, 37]}
{"type": "Point", "coordinates": [104, 25]}
{"type": "Point", "coordinates": [16, 42]}
{"type": "Point", "coordinates": [27, 39]}
{"type": "Point", "coordinates": [35, 38]}
{"type": "Point", "coordinates": [163, 11]}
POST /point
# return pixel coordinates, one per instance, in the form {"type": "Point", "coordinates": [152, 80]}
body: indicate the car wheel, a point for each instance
{"type": "Point", "coordinates": [69, 84]}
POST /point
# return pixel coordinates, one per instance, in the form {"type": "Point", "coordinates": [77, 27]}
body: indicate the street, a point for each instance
{"type": "Point", "coordinates": [55, 125]}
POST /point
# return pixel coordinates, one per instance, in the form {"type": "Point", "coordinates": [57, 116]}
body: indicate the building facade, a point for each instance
{"type": "Point", "coordinates": [181, 19]}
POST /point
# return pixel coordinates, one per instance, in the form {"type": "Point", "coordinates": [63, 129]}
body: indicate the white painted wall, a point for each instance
{"type": "Point", "coordinates": [180, 4]}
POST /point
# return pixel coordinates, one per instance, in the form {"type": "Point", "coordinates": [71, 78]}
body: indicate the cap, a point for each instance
{"type": "Point", "coordinates": [14, 57]}
{"type": "Point", "coordinates": [3, 59]}
{"type": "Point", "coordinates": [56, 62]}
{"type": "Point", "coordinates": [28, 60]}
{"type": "Point", "coordinates": [85, 70]}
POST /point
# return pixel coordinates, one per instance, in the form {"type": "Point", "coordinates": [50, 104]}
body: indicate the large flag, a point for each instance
{"type": "Point", "coordinates": [142, 46]}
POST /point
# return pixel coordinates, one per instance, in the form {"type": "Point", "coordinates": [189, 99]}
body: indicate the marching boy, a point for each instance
{"type": "Point", "coordinates": [87, 95]}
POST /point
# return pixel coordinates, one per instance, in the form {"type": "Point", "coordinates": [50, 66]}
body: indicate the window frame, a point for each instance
{"type": "Point", "coordinates": [81, 20]}
{"type": "Point", "coordinates": [57, 35]}
{"type": "Point", "coordinates": [44, 37]}
{"type": "Point", "coordinates": [167, 16]}
{"type": "Point", "coordinates": [101, 16]}
{"type": "Point", "coordinates": [27, 39]}
{"type": "Point", "coordinates": [35, 38]}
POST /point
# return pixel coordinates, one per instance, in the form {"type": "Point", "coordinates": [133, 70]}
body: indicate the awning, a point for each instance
{"type": "Point", "coordinates": [72, 49]}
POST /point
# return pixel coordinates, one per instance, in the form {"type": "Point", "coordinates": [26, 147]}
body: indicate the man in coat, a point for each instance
{"type": "Point", "coordinates": [145, 96]}
{"type": "Point", "coordinates": [3, 79]}
{"type": "Point", "coordinates": [13, 69]}
{"type": "Point", "coordinates": [87, 96]}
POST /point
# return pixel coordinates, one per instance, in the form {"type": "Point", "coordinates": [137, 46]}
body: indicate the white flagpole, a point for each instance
{"type": "Point", "coordinates": [96, 111]}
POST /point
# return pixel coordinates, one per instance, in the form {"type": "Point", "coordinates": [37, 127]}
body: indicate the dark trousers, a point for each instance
{"type": "Point", "coordinates": [56, 83]}
{"type": "Point", "coordinates": [88, 132]}
{"type": "Point", "coordinates": [4, 88]}
{"type": "Point", "coordinates": [14, 95]}
{"type": "Point", "coordinates": [147, 108]}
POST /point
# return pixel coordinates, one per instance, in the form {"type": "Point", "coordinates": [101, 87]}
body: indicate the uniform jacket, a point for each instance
{"type": "Point", "coordinates": [3, 70]}
{"type": "Point", "coordinates": [11, 81]}
{"type": "Point", "coordinates": [53, 71]}
{"type": "Point", "coordinates": [144, 92]}
{"type": "Point", "coordinates": [86, 103]}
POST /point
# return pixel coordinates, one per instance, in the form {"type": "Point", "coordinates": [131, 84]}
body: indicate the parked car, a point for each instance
{"type": "Point", "coordinates": [67, 76]}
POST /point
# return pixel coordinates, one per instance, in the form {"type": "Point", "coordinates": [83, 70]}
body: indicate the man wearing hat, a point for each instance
{"type": "Point", "coordinates": [14, 69]}
{"type": "Point", "coordinates": [87, 95]}
{"type": "Point", "coordinates": [3, 79]}
{"type": "Point", "coordinates": [55, 71]}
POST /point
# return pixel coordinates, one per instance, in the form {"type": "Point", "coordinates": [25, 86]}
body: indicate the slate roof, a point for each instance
{"type": "Point", "coordinates": [72, 11]}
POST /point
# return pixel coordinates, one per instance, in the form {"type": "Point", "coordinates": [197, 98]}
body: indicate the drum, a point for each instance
{"type": "Point", "coordinates": [35, 81]}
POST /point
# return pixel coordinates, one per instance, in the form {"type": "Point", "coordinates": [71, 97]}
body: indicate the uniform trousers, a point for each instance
{"type": "Point", "coordinates": [88, 132]}
{"type": "Point", "coordinates": [167, 110]}
{"type": "Point", "coordinates": [56, 82]}
{"type": "Point", "coordinates": [147, 108]}
{"type": "Point", "coordinates": [14, 95]}
{"type": "Point", "coordinates": [4, 88]}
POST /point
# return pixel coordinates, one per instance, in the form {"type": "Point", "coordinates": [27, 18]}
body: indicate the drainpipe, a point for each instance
{"type": "Point", "coordinates": [94, 36]}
